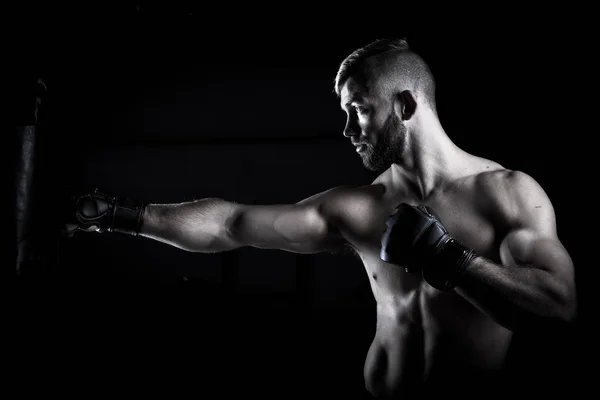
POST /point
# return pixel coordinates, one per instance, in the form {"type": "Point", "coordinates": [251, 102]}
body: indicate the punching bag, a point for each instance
{"type": "Point", "coordinates": [28, 104]}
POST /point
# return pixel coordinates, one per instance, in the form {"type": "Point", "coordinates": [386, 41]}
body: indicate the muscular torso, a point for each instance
{"type": "Point", "coordinates": [424, 335]}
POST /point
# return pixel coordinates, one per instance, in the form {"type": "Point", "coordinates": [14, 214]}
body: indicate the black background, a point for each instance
{"type": "Point", "coordinates": [168, 103]}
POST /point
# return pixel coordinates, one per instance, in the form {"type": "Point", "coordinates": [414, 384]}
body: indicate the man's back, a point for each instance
{"type": "Point", "coordinates": [424, 335]}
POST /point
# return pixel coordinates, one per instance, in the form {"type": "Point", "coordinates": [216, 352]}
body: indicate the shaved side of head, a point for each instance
{"type": "Point", "coordinates": [390, 67]}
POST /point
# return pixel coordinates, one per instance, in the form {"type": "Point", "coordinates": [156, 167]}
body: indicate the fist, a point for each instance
{"type": "Point", "coordinates": [99, 212]}
{"type": "Point", "coordinates": [88, 212]}
{"type": "Point", "coordinates": [416, 239]}
{"type": "Point", "coordinates": [412, 237]}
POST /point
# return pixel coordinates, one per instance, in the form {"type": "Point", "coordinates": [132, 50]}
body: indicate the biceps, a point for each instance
{"type": "Point", "coordinates": [285, 227]}
{"type": "Point", "coordinates": [525, 247]}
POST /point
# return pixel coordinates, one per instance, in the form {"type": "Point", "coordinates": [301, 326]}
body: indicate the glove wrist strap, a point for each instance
{"type": "Point", "coordinates": [127, 216]}
{"type": "Point", "coordinates": [448, 265]}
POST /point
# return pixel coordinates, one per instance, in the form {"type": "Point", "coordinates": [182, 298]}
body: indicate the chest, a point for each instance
{"type": "Point", "coordinates": [466, 217]}
{"type": "Point", "coordinates": [469, 220]}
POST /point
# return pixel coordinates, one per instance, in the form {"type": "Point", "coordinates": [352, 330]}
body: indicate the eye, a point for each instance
{"type": "Point", "coordinates": [361, 110]}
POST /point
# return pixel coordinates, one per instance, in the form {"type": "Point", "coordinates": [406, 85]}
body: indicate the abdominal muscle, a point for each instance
{"type": "Point", "coordinates": [395, 363]}
{"type": "Point", "coordinates": [427, 340]}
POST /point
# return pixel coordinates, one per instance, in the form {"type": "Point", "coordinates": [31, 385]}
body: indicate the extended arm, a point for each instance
{"type": "Point", "coordinates": [213, 225]}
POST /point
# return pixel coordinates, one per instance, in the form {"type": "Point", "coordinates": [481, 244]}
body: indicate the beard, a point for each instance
{"type": "Point", "coordinates": [388, 148]}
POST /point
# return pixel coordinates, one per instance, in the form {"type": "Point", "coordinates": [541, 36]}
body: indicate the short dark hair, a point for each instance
{"type": "Point", "coordinates": [356, 60]}
{"type": "Point", "coordinates": [412, 65]}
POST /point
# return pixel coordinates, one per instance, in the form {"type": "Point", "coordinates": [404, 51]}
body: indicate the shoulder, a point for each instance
{"type": "Point", "coordinates": [503, 178]}
{"type": "Point", "coordinates": [515, 196]}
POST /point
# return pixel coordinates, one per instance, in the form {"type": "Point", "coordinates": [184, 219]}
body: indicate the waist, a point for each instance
{"type": "Point", "coordinates": [447, 329]}
{"type": "Point", "coordinates": [399, 310]}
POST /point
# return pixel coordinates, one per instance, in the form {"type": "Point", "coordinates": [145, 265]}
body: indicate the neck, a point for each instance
{"type": "Point", "coordinates": [431, 159]}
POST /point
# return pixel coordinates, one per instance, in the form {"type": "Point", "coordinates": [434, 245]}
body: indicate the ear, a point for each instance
{"type": "Point", "coordinates": [405, 105]}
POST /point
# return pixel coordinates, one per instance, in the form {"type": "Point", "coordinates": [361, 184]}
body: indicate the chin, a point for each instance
{"type": "Point", "coordinates": [376, 164]}
{"type": "Point", "coordinates": [374, 167]}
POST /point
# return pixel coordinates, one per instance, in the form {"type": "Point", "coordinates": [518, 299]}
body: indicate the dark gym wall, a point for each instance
{"type": "Point", "coordinates": [155, 106]}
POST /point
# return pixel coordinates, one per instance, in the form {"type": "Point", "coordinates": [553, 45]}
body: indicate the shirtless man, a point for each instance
{"type": "Point", "coordinates": [447, 309]}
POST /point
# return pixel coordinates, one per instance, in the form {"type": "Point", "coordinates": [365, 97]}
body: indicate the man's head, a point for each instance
{"type": "Point", "coordinates": [381, 86]}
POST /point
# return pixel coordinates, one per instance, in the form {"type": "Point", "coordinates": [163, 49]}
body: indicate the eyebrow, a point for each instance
{"type": "Point", "coordinates": [354, 98]}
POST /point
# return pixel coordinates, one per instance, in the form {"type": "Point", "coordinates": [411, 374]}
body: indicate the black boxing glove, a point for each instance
{"type": "Point", "coordinates": [99, 212]}
{"type": "Point", "coordinates": [416, 239]}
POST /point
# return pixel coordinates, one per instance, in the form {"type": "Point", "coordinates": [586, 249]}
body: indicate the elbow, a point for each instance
{"type": "Point", "coordinates": [229, 239]}
{"type": "Point", "coordinates": [565, 303]}
{"type": "Point", "coordinates": [231, 231]}
{"type": "Point", "coordinates": [568, 313]}
{"type": "Point", "coordinates": [557, 310]}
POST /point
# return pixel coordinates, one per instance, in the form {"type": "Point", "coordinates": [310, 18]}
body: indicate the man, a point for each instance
{"type": "Point", "coordinates": [460, 251]}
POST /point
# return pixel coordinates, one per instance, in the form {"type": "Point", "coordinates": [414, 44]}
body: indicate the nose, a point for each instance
{"type": "Point", "coordinates": [352, 128]}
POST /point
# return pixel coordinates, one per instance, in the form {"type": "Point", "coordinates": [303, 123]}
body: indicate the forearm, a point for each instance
{"type": "Point", "coordinates": [198, 226]}
{"type": "Point", "coordinates": [516, 296]}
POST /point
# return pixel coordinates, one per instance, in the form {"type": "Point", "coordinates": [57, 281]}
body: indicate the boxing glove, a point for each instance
{"type": "Point", "coordinates": [415, 238]}
{"type": "Point", "coordinates": [97, 211]}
